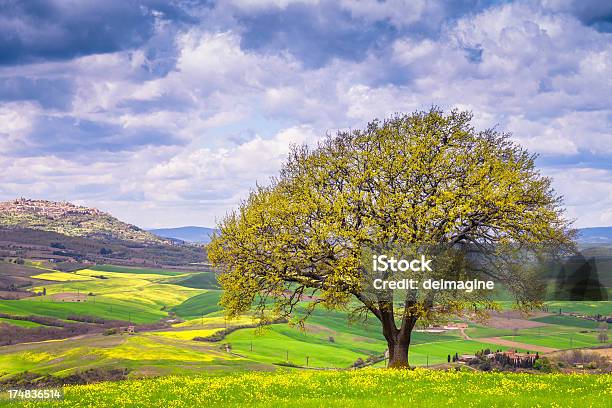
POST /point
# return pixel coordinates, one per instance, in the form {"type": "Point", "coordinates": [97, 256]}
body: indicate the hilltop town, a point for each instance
{"type": "Point", "coordinates": [69, 219]}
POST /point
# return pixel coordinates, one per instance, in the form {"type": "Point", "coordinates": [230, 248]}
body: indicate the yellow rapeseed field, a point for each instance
{"type": "Point", "coordinates": [358, 388]}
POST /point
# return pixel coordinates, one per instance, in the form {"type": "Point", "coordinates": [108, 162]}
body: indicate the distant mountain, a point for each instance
{"type": "Point", "coordinates": [200, 235]}
{"type": "Point", "coordinates": [595, 235]}
{"type": "Point", "coordinates": [71, 220]}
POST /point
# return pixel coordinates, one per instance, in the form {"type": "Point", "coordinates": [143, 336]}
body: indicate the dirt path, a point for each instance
{"type": "Point", "coordinates": [516, 344]}
{"type": "Point", "coordinates": [464, 334]}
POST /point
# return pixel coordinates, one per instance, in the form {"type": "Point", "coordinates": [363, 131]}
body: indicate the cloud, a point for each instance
{"type": "Point", "coordinates": [595, 13]}
{"type": "Point", "coordinates": [174, 112]}
{"type": "Point", "coordinates": [587, 193]}
{"type": "Point", "coordinates": [32, 31]}
{"type": "Point", "coordinates": [213, 168]}
{"type": "Point", "coordinates": [49, 93]}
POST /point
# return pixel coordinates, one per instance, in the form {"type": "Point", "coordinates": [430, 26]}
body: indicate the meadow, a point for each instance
{"type": "Point", "coordinates": [355, 388]}
{"type": "Point", "coordinates": [188, 303]}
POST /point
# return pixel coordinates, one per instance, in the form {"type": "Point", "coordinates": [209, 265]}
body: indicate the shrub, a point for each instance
{"type": "Point", "coordinates": [109, 332]}
{"type": "Point", "coordinates": [592, 365]}
{"type": "Point", "coordinates": [475, 361]}
{"type": "Point", "coordinates": [572, 357]}
{"type": "Point", "coordinates": [484, 366]}
{"type": "Point", "coordinates": [543, 364]}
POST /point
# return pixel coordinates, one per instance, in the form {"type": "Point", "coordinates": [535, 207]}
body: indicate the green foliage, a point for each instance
{"type": "Point", "coordinates": [426, 178]}
{"type": "Point", "coordinates": [543, 364]}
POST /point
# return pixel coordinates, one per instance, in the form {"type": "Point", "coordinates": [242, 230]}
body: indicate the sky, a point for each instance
{"type": "Point", "coordinates": [166, 113]}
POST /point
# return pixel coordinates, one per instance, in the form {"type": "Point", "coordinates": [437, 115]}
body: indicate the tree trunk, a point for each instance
{"type": "Point", "coordinates": [398, 340]}
{"type": "Point", "coordinates": [398, 350]}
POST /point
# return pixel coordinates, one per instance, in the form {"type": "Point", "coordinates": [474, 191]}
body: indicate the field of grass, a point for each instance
{"type": "Point", "coordinates": [104, 308]}
{"type": "Point", "coordinates": [560, 340]}
{"type": "Point", "coordinates": [568, 321]}
{"type": "Point", "coordinates": [144, 295]}
{"type": "Point", "coordinates": [147, 354]}
{"type": "Point", "coordinates": [589, 308]}
{"type": "Point", "coordinates": [281, 344]}
{"type": "Point", "coordinates": [187, 334]}
{"type": "Point", "coordinates": [20, 323]}
{"type": "Point", "coordinates": [212, 320]}
{"type": "Point", "coordinates": [201, 280]}
{"type": "Point", "coordinates": [131, 296]}
{"type": "Point", "coordinates": [359, 388]}
{"type": "Point", "coordinates": [196, 306]}
{"type": "Point", "coordinates": [476, 331]}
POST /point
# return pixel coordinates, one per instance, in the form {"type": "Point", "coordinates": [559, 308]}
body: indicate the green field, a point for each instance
{"type": "Point", "coordinates": [588, 308]}
{"type": "Point", "coordinates": [202, 280]}
{"type": "Point", "coordinates": [143, 295]}
{"type": "Point", "coordinates": [196, 306]}
{"type": "Point", "coordinates": [558, 340]}
{"type": "Point", "coordinates": [136, 295]}
{"type": "Point", "coordinates": [20, 323]}
{"type": "Point", "coordinates": [145, 354]}
{"type": "Point", "coordinates": [104, 308]}
{"type": "Point", "coordinates": [359, 388]}
{"type": "Point", "coordinates": [568, 321]}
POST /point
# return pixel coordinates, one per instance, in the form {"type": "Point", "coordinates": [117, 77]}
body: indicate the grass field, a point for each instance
{"type": "Point", "coordinates": [20, 323]}
{"type": "Point", "coordinates": [568, 321]}
{"type": "Point", "coordinates": [142, 354]}
{"type": "Point", "coordinates": [103, 308]}
{"type": "Point", "coordinates": [187, 334]}
{"type": "Point", "coordinates": [589, 308]}
{"type": "Point", "coordinates": [558, 340]}
{"type": "Point", "coordinates": [359, 388]}
{"type": "Point", "coordinates": [202, 280]}
{"type": "Point", "coordinates": [145, 295]}
{"type": "Point", "coordinates": [62, 277]}
{"type": "Point", "coordinates": [137, 295]}
{"type": "Point", "coordinates": [196, 306]}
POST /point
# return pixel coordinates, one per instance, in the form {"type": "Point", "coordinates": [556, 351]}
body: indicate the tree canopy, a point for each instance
{"type": "Point", "coordinates": [421, 178]}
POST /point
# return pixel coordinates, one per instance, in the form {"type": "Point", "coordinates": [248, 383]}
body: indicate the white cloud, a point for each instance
{"type": "Point", "coordinates": [587, 193]}
{"type": "Point", "coordinates": [15, 123]}
{"type": "Point", "coordinates": [264, 4]}
{"type": "Point", "coordinates": [540, 74]}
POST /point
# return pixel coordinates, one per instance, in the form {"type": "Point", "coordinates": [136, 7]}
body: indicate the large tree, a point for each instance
{"type": "Point", "coordinates": [421, 178]}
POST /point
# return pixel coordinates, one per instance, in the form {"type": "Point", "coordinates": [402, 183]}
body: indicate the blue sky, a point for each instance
{"type": "Point", "coordinates": [166, 113]}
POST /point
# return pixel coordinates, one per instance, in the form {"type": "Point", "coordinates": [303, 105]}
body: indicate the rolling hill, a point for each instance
{"type": "Point", "coordinates": [62, 232]}
{"type": "Point", "coordinates": [71, 220]}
